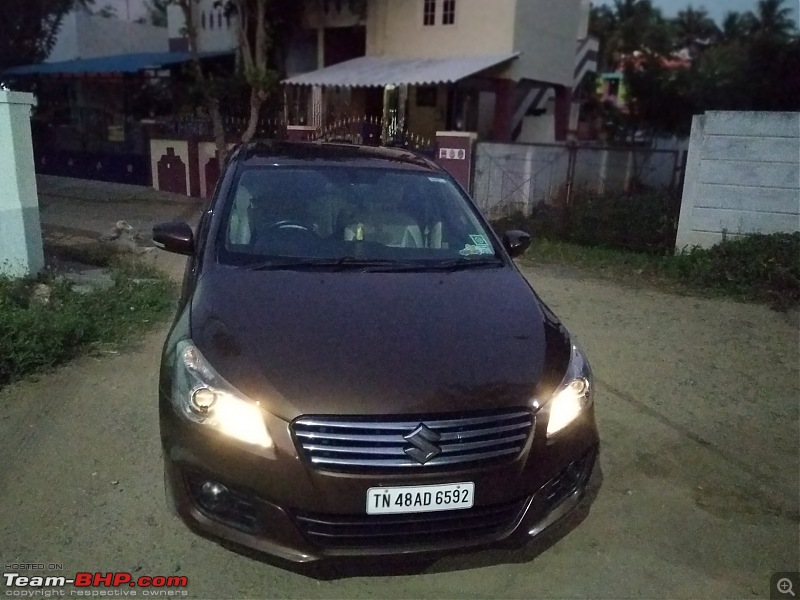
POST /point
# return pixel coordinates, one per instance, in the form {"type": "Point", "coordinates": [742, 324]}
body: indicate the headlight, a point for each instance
{"type": "Point", "coordinates": [573, 395]}
{"type": "Point", "coordinates": [201, 395]}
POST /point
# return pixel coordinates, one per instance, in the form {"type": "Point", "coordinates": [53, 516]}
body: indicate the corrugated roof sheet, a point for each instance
{"type": "Point", "coordinates": [376, 71]}
{"type": "Point", "coordinates": [106, 65]}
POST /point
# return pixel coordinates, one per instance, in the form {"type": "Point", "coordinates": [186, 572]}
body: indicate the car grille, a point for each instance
{"type": "Point", "coordinates": [377, 531]}
{"type": "Point", "coordinates": [364, 445]}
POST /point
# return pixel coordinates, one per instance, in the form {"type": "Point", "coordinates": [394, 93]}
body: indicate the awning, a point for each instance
{"type": "Point", "coordinates": [378, 71]}
{"type": "Point", "coordinates": [109, 65]}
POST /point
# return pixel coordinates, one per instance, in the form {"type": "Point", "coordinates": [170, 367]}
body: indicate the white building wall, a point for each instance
{"type": "Point", "coordinates": [742, 176]}
{"type": "Point", "coordinates": [215, 33]}
{"type": "Point", "coordinates": [395, 28]}
{"type": "Point", "coordinates": [545, 32]}
{"type": "Point", "coordinates": [83, 35]}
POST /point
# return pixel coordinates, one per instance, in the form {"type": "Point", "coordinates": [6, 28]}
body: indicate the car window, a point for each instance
{"type": "Point", "coordinates": [340, 212]}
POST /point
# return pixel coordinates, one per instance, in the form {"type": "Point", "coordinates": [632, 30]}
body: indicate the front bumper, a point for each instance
{"type": "Point", "coordinates": [298, 524]}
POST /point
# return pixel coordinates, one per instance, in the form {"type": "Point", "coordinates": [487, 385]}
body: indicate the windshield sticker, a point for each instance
{"type": "Point", "coordinates": [481, 244]}
{"type": "Point", "coordinates": [472, 250]}
{"type": "Point", "coordinates": [437, 180]}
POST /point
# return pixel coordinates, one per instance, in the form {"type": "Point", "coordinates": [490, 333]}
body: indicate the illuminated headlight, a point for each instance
{"type": "Point", "coordinates": [573, 396]}
{"type": "Point", "coordinates": [201, 395]}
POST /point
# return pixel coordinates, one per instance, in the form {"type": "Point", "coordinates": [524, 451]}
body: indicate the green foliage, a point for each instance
{"type": "Point", "coordinates": [34, 337]}
{"type": "Point", "coordinates": [28, 29]}
{"type": "Point", "coordinates": [640, 221]}
{"type": "Point", "coordinates": [749, 63]}
{"type": "Point", "coordinates": [760, 268]}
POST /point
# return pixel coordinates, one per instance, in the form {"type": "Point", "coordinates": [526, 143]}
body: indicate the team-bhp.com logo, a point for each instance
{"type": "Point", "coordinates": [94, 584]}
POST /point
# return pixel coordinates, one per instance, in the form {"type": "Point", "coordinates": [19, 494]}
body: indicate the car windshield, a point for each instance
{"type": "Point", "coordinates": [343, 215]}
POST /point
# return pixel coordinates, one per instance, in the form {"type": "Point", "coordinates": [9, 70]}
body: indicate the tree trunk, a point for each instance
{"type": "Point", "coordinates": [256, 102]}
{"type": "Point", "coordinates": [212, 103]}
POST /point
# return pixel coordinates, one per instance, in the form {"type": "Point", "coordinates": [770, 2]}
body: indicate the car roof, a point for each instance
{"type": "Point", "coordinates": [330, 154]}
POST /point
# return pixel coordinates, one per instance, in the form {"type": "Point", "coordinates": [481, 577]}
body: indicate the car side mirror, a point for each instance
{"type": "Point", "coordinates": [516, 243]}
{"type": "Point", "coordinates": [174, 237]}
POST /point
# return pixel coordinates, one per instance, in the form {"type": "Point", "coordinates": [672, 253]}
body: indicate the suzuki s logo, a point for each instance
{"type": "Point", "coordinates": [423, 444]}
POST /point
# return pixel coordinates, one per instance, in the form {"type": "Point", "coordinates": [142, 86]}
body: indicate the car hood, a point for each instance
{"type": "Point", "coordinates": [378, 343]}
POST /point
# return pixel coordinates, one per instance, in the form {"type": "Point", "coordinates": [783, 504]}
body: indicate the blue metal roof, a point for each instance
{"type": "Point", "coordinates": [107, 65]}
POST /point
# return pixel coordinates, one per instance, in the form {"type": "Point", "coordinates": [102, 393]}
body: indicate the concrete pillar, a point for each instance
{"type": "Point", "coordinates": [456, 154]}
{"type": "Point", "coordinates": [20, 229]}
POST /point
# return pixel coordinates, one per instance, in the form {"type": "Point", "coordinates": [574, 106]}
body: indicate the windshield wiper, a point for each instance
{"type": "Point", "coordinates": [458, 264]}
{"type": "Point", "coordinates": [346, 262]}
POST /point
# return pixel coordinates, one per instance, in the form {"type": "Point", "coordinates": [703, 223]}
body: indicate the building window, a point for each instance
{"type": "Point", "coordinates": [449, 12]}
{"type": "Point", "coordinates": [429, 13]}
{"type": "Point", "coordinates": [211, 20]}
{"type": "Point", "coordinates": [428, 96]}
{"type": "Point", "coordinates": [203, 20]}
{"type": "Point", "coordinates": [219, 20]}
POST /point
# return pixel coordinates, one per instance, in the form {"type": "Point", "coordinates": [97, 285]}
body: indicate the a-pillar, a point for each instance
{"type": "Point", "coordinates": [20, 229]}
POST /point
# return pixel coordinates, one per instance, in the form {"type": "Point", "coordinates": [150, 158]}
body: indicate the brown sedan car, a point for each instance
{"type": "Point", "coordinates": [357, 367]}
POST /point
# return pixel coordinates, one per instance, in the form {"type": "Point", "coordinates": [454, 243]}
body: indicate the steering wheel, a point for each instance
{"type": "Point", "coordinates": [289, 224]}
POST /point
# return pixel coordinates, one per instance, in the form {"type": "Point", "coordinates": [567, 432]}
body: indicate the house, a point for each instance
{"type": "Point", "coordinates": [504, 69]}
{"type": "Point", "coordinates": [84, 35]}
{"type": "Point", "coordinates": [104, 79]}
{"type": "Point", "coordinates": [216, 30]}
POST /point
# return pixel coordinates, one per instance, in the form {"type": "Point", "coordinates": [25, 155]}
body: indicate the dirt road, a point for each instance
{"type": "Point", "coordinates": [698, 413]}
{"type": "Point", "coordinates": [697, 407]}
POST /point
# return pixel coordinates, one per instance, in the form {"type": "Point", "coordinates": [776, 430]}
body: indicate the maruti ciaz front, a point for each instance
{"type": "Point", "coordinates": [357, 367]}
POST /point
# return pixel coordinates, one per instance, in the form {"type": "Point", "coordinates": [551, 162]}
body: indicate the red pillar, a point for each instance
{"type": "Point", "coordinates": [503, 110]}
{"type": "Point", "coordinates": [563, 108]}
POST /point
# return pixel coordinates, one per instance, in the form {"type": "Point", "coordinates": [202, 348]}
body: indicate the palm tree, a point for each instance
{"type": "Point", "coordinates": [693, 26]}
{"type": "Point", "coordinates": [736, 26]}
{"type": "Point", "coordinates": [773, 20]}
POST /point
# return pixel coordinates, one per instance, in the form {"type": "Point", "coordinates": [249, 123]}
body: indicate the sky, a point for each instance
{"type": "Point", "coordinates": [716, 8]}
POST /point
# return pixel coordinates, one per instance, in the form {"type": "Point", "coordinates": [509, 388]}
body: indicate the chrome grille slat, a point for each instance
{"type": "Point", "coordinates": [436, 424]}
{"type": "Point", "coordinates": [393, 438]}
{"type": "Point", "coordinates": [396, 451]}
{"type": "Point", "coordinates": [367, 445]}
{"type": "Point", "coordinates": [438, 461]}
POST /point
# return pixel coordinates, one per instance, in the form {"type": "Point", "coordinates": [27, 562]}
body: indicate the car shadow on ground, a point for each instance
{"type": "Point", "coordinates": [442, 562]}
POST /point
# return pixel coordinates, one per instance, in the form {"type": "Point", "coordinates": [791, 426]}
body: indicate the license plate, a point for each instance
{"type": "Point", "coordinates": [420, 498]}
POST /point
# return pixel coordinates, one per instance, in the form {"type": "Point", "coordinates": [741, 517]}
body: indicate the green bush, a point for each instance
{"type": "Point", "coordinates": [36, 336]}
{"type": "Point", "coordinates": [765, 267]}
{"type": "Point", "coordinates": [643, 221]}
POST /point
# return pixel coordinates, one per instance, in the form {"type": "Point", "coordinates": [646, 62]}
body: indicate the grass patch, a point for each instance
{"type": "Point", "coordinates": [36, 336]}
{"type": "Point", "coordinates": [644, 220]}
{"type": "Point", "coordinates": [762, 268]}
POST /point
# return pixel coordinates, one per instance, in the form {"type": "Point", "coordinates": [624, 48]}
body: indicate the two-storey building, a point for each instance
{"type": "Point", "coordinates": [502, 68]}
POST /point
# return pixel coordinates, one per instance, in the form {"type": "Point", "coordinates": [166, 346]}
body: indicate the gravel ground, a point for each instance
{"type": "Point", "coordinates": [698, 411]}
